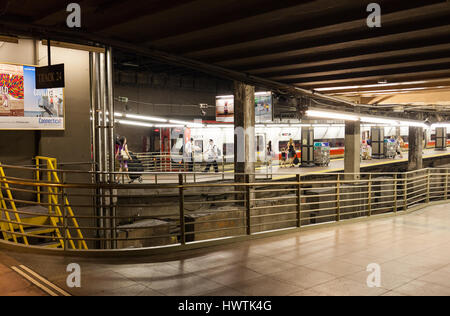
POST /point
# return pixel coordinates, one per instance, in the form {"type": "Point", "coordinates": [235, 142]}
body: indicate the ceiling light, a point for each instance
{"type": "Point", "coordinates": [332, 115]}
{"type": "Point", "coordinates": [376, 120]}
{"type": "Point", "coordinates": [146, 118]}
{"type": "Point", "coordinates": [133, 123]}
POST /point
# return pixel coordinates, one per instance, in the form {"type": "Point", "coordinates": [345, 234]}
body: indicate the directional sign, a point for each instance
{"type": "Point", "coordinates": [50, 77]}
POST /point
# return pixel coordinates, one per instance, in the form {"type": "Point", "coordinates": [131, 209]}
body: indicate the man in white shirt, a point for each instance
{"type": "Point", "coordinates": [189, 154]}
{"type": "Point", "coordinates": [212, 153]}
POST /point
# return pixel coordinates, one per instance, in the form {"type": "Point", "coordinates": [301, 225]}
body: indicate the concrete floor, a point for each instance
{"type": "Point", "coordinates": [412, 250]}
{"type": "Point", "coordinates": [336, 165]}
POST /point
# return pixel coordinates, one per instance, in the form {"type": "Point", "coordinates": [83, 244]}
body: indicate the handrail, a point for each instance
{"type": "Point", "coordinates": [52, 175]}
{"type": "Point", "coordinates": [183, 213]}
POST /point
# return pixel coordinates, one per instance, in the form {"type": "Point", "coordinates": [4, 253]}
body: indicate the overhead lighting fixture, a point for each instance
{"type": "Point", "coordinates": [133, 123]}
{"type": "Point", "coordinates": [146, 118]}
{"type": "Point", "coordinates": [437, 125]}
{"type": "Point", "coordinates": [118, 114]}
{"type": "Point", "coordinates": [376, 120]}
{"type": "Point", "coordinates": [188, 124]}
{"type": "Point", "coordinates": [168, 125]}
{"type": "Point", "coordinates": [413, 124]}
{"type": "Point", "coordinates": [332, 115]}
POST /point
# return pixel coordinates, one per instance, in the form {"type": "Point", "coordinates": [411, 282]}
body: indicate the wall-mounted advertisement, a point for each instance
{"type": "Point", "coordinates": [225, 109]}
{"type": "Point", "coordinates": [263, 108]}
{"type": "Point", "coordinates": [22, 106]}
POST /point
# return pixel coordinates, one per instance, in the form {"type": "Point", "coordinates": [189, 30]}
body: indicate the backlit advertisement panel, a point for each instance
{"type": "Point", "coordinates": [22, 106]}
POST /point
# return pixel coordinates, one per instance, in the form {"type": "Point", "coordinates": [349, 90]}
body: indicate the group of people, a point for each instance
{"type": "Point", "coordinates": [212, 153]}
{"type": "Point", "coordinates": [289, 155]}
{"type": "Point", "coordinates": [366, 148]}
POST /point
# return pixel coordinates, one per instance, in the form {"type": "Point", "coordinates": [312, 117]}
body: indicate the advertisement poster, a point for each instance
{"type": "Point", "coordinates": [23, 107]}
{"type": "Point", "coordinates": [225, 109]}
{"type": "Point", "coordinates": [263, 108]}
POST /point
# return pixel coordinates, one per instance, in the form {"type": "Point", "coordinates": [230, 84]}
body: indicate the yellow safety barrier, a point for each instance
{"type": "Point", "coordinates": [10, 226]}
{"type": "Point", "coordinates": [53, 204]}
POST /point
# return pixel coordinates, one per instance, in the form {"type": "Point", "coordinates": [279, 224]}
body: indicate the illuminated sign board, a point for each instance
{"type": "Point", "coordinates": [23, 106]}
{"type": "Point", "coordinates": [263, 108]}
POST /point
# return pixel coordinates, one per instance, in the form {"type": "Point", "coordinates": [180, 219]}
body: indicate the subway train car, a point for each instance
{"type": "Point", "coordinates": [279, 135]}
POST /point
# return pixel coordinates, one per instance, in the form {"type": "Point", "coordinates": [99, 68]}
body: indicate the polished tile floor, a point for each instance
{"type": "Point", "coordinates": [12, 284]}
{"type": "Point", "coordinates": [412, 250]}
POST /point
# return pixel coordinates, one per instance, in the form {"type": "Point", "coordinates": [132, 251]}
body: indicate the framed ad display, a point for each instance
{"type": "Point", "coordinates": [23, 107]}
{"type": "Point", "coordinates": [263, 108]}
{"type": "Point", "coordinates": [225, 109]}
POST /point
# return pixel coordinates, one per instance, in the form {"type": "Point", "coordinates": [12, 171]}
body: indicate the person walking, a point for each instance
{"type": "Point", "coordinates": [398, 146]}
{"type": "Point", "coordinates": [292, 152]}
{"type": "Point", "coordinates": [212, 153]}
{"type": "Point", "coordinates": [189, 154]}
{"type": "Point", "coordinates": [123, 156]}
{"type": "Point", "coordinates": [269, 155]}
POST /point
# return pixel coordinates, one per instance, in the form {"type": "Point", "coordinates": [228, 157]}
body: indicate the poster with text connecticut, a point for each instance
{"type": "Point", "coordinates": [23, 107]}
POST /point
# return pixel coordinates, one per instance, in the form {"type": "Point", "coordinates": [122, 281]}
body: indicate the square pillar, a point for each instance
{"type": "Point", "coordinates": [377, 142]}
{"type": "Point", "coordinates": [441, 138]}
{"type": "Point", "coordinates": [244, 131]}
{"type": "Point", "coordinates": [353, 149]}
{"type": "Point", "coordinates": [307, 147]}
{"type": "Point", "coordinates": [415, 157]}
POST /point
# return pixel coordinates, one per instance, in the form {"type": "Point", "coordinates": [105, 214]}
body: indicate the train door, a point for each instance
{"type": "Point", "coordinates": [261, 147]}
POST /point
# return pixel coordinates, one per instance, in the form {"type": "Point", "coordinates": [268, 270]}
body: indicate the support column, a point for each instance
{"type": "Point", "coordinates": [415, 148]}
{"type": "Point", "coordinates": [307, 147]}
{"type": "Point", "coordinates": [244, 137]}
{"type": "Point", "coordinates": [352, 149]}
{"type": "Point", "coordinates": [441, 138]}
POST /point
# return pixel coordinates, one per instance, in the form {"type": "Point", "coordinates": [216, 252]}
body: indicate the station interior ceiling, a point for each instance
{"type": "Point", "coordinates": [323, 45]}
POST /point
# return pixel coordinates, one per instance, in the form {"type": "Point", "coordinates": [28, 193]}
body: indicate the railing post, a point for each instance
{"type": "Point", "coordinates": [428, 185]}
{"type": "Point", "coordinates": [369, 201]}
{"type": "Point", "coordinates": [182, 218]}
{"type": "Point", "coordinates": [223, 168]}
{"type": "Point", "coordinates": [38, 179]}
{"type": "Point", "coordinates": [64, 208]}
{"type": "Point", "coordinates": [338, 198]}
{"type": "Point", "coordinates": [405, 192]}
{"type": "Point", "coordinates": [446, 184]}
{"type": "Point", "coordinates": [299, 202]}
{"type": "Point", "coordinates": [248, 205]}
{"type": "Point", "coordinates": [395, 193]}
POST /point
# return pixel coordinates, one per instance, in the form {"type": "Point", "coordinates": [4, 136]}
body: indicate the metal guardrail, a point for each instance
{"type": "Point", "coordinates": [164, 162]}
{"type": "Point", "coordinates": [138, 216]}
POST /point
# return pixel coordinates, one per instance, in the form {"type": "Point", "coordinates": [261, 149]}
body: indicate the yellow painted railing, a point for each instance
{"type": "Point", "coordinates": [6, 211]}
{"type": "Point", "coordinates": [53, 205]}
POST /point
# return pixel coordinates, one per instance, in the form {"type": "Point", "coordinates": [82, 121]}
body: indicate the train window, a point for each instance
{"type": "Point", "coordinates": [199, 143]}
{"type": "Point", "coordinates": [334, 142]}
{"type": "Point", "coordinates": [228, 149]}
{"type": "Point", "coordinates": [260, 143]}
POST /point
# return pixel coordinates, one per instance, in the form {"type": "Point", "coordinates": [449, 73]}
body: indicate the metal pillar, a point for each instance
{"type": "Point", "coordinates": [103, 144]}
{"type": "Point", "coordinates": [111, 142]}
{"type": "Point", "coordinates": [352, 149]}
{"type": "Point", "coordinates": [441, 138]}
{"type": "Point", "coordinates": [377, 142]}
{"type": "Point", "coordinates": [244, 123]}
{"type": "Point", "coordinates": [308, 147]}
{"type": "Point", "coordinates": [416, 137]}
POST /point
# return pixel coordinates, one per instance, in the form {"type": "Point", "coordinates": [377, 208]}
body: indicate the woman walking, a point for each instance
{"type": "Point", "coordinates": [292, 152]}
{"type": "Point", "coordinates": [123, 156]}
